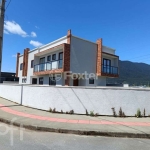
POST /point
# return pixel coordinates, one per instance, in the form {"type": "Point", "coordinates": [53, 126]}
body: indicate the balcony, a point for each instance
{"type": "Point", "coordinates": [109, 70]}
{"type": "Point", "coordinates": [48, 66]}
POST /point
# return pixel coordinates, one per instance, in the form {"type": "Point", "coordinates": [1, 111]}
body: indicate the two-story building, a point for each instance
{"type": "Point", "coordinates": [70, 61]}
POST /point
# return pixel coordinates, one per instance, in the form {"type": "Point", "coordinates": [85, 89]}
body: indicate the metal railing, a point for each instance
{"type": "Point", "coordinates": [110, 69]}
{"type": "Point", "coordinates": [58, 64]}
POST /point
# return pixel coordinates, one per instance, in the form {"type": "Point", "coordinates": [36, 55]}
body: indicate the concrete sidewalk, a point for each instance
{"type": "Point", "coordinates": [15, 114]}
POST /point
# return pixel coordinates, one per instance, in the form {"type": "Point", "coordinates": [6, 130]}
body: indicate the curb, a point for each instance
{"type": "Point", "coordinates": [78, 132]}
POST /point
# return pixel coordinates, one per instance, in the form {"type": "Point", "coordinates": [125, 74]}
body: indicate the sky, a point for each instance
{"type": "Point", "coordinates": [122, 24]}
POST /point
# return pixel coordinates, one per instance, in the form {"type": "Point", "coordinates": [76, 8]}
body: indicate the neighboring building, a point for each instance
{"type": "Point", "coordinates": [46, 64]}
{"type": "Point", "coordinates": [8, 76]}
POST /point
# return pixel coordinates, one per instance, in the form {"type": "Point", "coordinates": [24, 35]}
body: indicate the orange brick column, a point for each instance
{"type": "Point", "coordinates": [17, 64]}
{"type": "Point", "coordinates": [66, 64]}
{"type": "Point", "coordinates": [25, 62]}
{"type": "Point", "coordinates": [99, 57]}
{"type": "Point", "coordinates": [69, 37]}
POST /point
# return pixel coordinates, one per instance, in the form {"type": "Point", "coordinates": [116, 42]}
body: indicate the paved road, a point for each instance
{"type": "Point", "coordinates": [11, 139]}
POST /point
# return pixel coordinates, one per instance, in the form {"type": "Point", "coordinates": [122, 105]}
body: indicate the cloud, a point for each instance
{"type": "Point", "coordinates": [6, 32]}
{"type": "Point", "coordinates": [37, 27]}
{"type": "Point", "coordinates": [14, 56]}
{"type": "Point", "coordinates": [35, 43]}
{"type": "Point", "coordinates": [33, 34]}
{"type": "Point", "coordinates": [14, 28]}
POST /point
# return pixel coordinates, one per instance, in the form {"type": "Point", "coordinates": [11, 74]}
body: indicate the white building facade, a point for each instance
{"type": "Point", "coordinates": [69, 61]}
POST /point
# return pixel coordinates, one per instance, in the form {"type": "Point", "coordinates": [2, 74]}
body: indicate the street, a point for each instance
{"type": "Point", "coordinates": [13, 138]}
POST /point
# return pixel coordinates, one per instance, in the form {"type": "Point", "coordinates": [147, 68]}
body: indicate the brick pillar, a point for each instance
{"type": "Point", "coordinates": [66, 63]}
{"type": "Point", "coordinates": [17, 64]}
{"type": "Point", "coordinates": [25, 62]}
{"type": "Point", "coordinates": [23, 67]}
{"type": "Point", "coordinates": [69, 37]}
{"type": "Point", "coordinates": [99, 57]}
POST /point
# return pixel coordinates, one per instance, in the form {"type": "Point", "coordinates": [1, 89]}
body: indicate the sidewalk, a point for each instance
{"type": "Point", "coordinates": [77, 124]}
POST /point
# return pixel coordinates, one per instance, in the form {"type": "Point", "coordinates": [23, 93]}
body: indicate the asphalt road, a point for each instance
{"type": "Point", "coordinates": [12, 138]}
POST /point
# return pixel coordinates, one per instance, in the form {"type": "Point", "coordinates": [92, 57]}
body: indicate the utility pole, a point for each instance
{"type": "Point", "coordinates": [2, 12]}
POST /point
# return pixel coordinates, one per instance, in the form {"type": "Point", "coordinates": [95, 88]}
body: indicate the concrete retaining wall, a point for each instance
{"type": "Point", "coordinates": [99, 100]}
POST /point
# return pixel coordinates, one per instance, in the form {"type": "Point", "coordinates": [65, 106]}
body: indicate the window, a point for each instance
{"type": "Point", "coordinates": [91, 81]}
{"type": "Point", "coordinates": [60, 65]}
{"type": "Point", "coordinates": [61, 56]}
{"type": "Point", "coordinates": [21, 66]}
{"type": "Point", "coordinates": [32, 63]}
{"type": "Point", "coordinates": [24, 80]}
{"type": "Point", "coordinates": [54, 57]}
{"type": "Point", "coordinates": [41, 80]}
{"type": "Point", "coordinates": [49, 58]}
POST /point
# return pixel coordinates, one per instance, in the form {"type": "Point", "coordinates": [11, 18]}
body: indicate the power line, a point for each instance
{"type": "Point", "coordinates": [8, 5]}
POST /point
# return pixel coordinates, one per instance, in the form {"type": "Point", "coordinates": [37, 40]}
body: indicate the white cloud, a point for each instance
{"type": "Point", "coordinates": [14, 28]}
{"type": "Point", "coordinates": [6, 32]}
{"type": "Point", "coordinates": [37, 27]}
{"type": "Point", "coordinates": [33, 34]}
{"type": "Point", "coordinates": [35, 43]}
{"type": "Point", "coordinates": [15, 56]}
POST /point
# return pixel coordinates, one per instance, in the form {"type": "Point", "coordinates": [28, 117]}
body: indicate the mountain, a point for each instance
{"type": "Point", "coordinates": [132, 73]}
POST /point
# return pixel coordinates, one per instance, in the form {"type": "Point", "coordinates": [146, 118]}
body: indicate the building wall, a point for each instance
{"type": "Point", "coordinates": [31, 57]}
{"type": "Point", "coordinates": [80, 99]}
{"type": "Point", "coordinates": [83, 56]}
{"type": "Point", "coordinates": [108, 50]}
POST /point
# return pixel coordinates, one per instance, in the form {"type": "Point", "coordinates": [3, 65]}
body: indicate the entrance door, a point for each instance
{"type": "Point", "coordinates": [41, 80]}
{"type": "Point", "coordinates": [52, 80]}
{"type": "Point", "coordinates": [76, 82]}
{"type": "Point", "coordinates": [34, 80]}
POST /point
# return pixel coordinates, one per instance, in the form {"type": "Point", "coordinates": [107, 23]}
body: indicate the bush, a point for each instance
{"type": "Point", "coordinates": [138, 114]}
{"type": "Point", "coordinates": [91, 113]}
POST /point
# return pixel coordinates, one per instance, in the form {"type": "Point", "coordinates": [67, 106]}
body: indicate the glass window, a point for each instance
{"type": "Point", "coordinates": [54, 57]}
{"type": "Point", "coordinates": [61, 56]}
{"type": "Point", "coordinates": [91, 81]}
{"type": "Point", "coordinates": [32, 63]}
{"type": "Point", "coordinates": [21, 66]}
{"type": "Point", "coordinates": [49, 58]}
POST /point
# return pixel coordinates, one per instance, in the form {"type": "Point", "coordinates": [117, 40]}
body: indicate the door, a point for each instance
{"type": "Point", "coordinates": [42, 64]}
{"type": "Point", "coordinates": [107, 66]}
{"type": "Point", "coordinates": [52, 80]}
{"type": "Point", "coordinates": [41, 81]}
{"type": "Point", "coordinates": [34, 80]}
{"type": "Point", "coordinates": [76, 82]}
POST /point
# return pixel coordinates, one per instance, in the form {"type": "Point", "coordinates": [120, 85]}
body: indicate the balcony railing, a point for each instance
{"type": "Point", "coordinates": [110, 70]}
{"type": "Point", "coordinates": [48, 66]}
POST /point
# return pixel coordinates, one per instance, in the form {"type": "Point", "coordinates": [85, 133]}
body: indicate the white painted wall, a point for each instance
{"type": "Point", "coordinates": [83, 56]}
{"type": "Point", "coordinates": [11, 92]}
{"type": "Point", "coordinates": [54, 43]}
{"type": "Point", "coordinates": [108, 50]}
{"type": "Point", "coordinates": [99, 100]}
